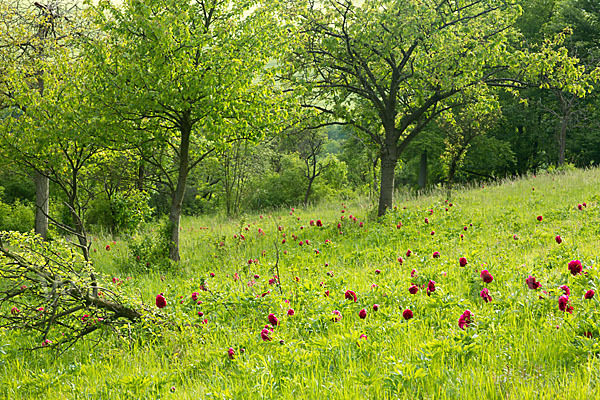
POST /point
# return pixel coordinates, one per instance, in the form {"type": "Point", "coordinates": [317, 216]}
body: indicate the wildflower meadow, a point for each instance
{"type": "Point", "coordinates": [492, 294]}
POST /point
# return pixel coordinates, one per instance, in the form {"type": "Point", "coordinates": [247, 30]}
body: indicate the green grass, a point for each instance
{"type": "Point", "coordinates": [518, 346]}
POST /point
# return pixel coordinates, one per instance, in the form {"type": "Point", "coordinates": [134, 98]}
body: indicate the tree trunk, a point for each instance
{"type": "Point", "coordinates": [139, 182]}
{"type": "Point", "coordinates": [177, 196]}
{"type": "Point", "coordinates": [423, 170]}
{"type": "Point", "coordinates": [42, 193]}
{"type": "Point", "coordinates": [386, 192]}
{"type": "Point", "coordinates": [450, 182]}
{"type": "Point", "coordinates": [310, 182]}
{"type": "Point", "coordinates": [562, 140]}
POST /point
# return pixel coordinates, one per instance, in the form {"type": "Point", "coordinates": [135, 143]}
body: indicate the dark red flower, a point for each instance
{"type": "Point", "coordinates": [414, 289]}
{"type": "Point", "coordinates": [231, 353]}
{"type": "Point", "coordinates": [408, 253]}
{"type": "Point", "coordinates": [532, 283]}
{"type": "Point", "coordinates": [575, 267]}
{"type": "Point", "coordinates": [319, 223]}
{"type": "Point", "coordinates": [430, 287]}
{"type": "Point", "coordinates": [377, 272]}
{"type": "Point", "coordinates": [290, 312]}
{"type": "Point", "coordinates": [462, 261]}
{"type": "Point", "coordinates": [563, 301]}
{"type": "Point", "coordinates": [566, 289]}
{"type": "Point", "coordinates": [265, 335]}
{"type": "Point", "coordinates": [407, 314]}
{"type": "Point", "coordinates": [486, 276]}
{"type": "Point", "coordinates": [350, 295]}
{"type": "Point", "coordinates": [540, 218]}
{"type": "Point", "coordinates": [558, 239]}
{"type": "Point", "coordinates": [375, 307]}
{"type": "Point", "coordinates": [362, 313]}
{"type": "Point", "coordinates": [589, 294]}
{"type": "Point", "coordinates": [485, 295]}
{"type": "Point", "coordinates": [273, 320]}
{"type": "Point", "coordinates": [579, 206]}
{"type": "Point", "coordinates": [464, 320]}
{"type": "Point", "coordinates": [436, 254]}
{"type": "Point", "coordinates": [337, 316]}
{"type": "Point", "coordinates": [160, 301]}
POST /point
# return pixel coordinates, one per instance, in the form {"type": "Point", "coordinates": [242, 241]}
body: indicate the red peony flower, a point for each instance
{"type": "Point", "coordinates": [563, 301]}
{"type": "Point", "coordinates": [532, 283]}
{"type": "Point", "coordinates": [462, 261]}
{"type": "Point", "coordinates": [580, 207]}
{"type": "Point", "coordinates": [414, 273]}
{"type": "Point", "coordinates": [375, 307]}
{"type": "Point", "coordinates": [350, 295]}
{"type": "Point", "coordinates": [558, 239]}
{"type": "Point", "coordinates": [426, 220]}
{"type": "Point", "coordinates": [362, 313]}
{"type": "Point", "coordinates": [407, 314]}
{"type": "Point", "coordinates": [160, 301]}
{"type": "Point", "coordinates": [290, 312]}
{"type": "Point", "coordinates": [589, 294]}
{"type": "Point", "coordinates": [575, 267]}
{"type": "Point", "coordinates": [485, 295]}
{"type": "Point", "coordinates": [400, 260]}
{"type": "Point", "coordinates": [464, 320]}
{"type": "Point", "coordinates": [486, 276]}
{"type": "Point", "coordinates": [377, 272]}
{"type": "Point", "coordinates": [273, 320]}
{"type": "Point", "coordinates": [566, 289]}
{"type": "Point", "coordinates": [413, 289]}
{"type": "Point", "coordinates": [319, 223]}
{"type": "Point", "coordinates": [408, 253]}
{"type": "Point", "coordinates": [436, 254]}
{"type": "Point", "coordinates": [430, 287]}
{"type": "Point", "coordinates": [265, 335]}
{"type": "Point", "coordinates": [337, 316]}
{"type": "Point", "coordinates": [231, 353]}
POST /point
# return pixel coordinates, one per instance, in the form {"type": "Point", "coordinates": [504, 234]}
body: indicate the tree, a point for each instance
{"type": "Point", "coordinates": [391, 67]}
{"type": "Point", "coordinates": [188, 78]}
{"type": "Point", "coordinates": [26, 36]}
{"type": "Point", "coordinates": [463, 126]}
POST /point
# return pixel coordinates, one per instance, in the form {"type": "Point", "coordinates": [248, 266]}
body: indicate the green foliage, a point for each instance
{"type": "Point", "coordinates": [124, 212]}
{"type": "Point", "coordinates": [285, 188]}
{"type": "Point", "coordinates": [149, 249]}
{"type": "Point", "coordinates": [16, 217]}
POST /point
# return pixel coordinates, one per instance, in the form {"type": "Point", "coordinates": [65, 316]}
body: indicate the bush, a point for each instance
{"type": "Point", "coordinates": [149, 251]}
{"type": "Point", "coordinates": [16, 217]}
{"type": "Point", "coordinates": [123, 212]}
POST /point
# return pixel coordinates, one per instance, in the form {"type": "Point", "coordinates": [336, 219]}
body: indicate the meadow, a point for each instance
{"type": "Point", "coordinates": [477, 297]}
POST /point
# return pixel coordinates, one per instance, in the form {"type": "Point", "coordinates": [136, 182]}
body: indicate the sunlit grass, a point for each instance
{"type": "Point", "coordinates": [517, 346]}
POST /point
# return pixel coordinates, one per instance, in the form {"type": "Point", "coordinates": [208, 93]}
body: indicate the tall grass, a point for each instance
{"type": "Point", "coordinates": [517, 346]}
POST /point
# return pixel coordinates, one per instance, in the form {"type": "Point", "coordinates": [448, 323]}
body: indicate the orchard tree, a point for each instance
{"type": "Point", "coordinates": [29, 33]}
{"type": "Point", "coordinates": [463, 126]}
{"type": "Point", "coordinates": [185, 79]}
{"type": "Point", "coordinates": [391, 67]}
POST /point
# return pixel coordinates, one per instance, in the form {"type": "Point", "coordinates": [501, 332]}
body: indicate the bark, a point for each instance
{"type": "Point", "coordinates": [42, 193]}
{"type": "Point", "coordinates": [386, 192]}
{"type": "Point", "coordinates": [177, 196]}
{"type": "Point", "coordinates": [423, 170]}
{"type": "Point", "coordinates": [562, 140]}
{"type": "Point", "coordinates": [450, 182]}
{"type": "Point", "coordinates": [308, 189]}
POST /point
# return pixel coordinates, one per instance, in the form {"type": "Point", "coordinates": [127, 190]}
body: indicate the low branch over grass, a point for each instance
{"type": "Point", "coordinates": [50, 291]}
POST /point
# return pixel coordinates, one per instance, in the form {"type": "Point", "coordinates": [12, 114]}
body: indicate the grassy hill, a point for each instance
{"type": "Point", "coordinates": [348, 283]}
